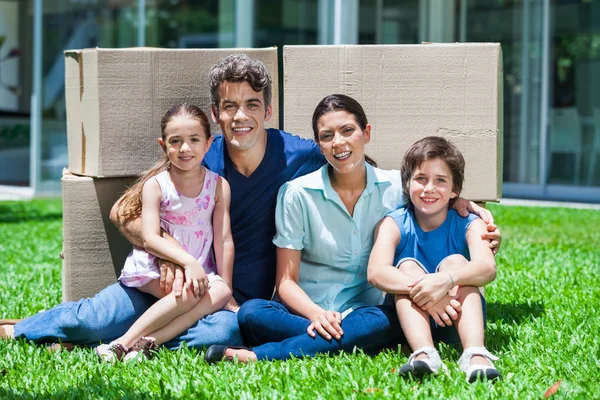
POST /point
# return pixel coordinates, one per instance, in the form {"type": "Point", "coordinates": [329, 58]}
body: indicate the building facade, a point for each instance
{"type": "Point", "coordinates": [551, 60]}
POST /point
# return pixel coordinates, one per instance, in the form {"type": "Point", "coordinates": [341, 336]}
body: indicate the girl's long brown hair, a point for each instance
{"type": "Point", "coordinates": [131, 203]}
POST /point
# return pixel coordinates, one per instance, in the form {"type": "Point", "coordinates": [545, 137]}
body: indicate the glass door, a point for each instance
{"type": "Point", "coordinates": [574, 106]}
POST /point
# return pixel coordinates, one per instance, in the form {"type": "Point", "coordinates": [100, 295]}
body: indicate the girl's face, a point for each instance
{"type": "Point", "coordinates": [431, 187]}
{"type": "Point", "coordinates": [342, 141]}
{"type": "Point", "coordinates": [185, 142]}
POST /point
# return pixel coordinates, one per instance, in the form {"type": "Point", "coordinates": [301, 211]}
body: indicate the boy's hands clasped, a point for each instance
{"type": "Point", "coordinates": [434, 293]}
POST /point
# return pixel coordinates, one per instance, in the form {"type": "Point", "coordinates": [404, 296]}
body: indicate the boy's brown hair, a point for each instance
{"type": "Point", "coordinates": [430, 148]}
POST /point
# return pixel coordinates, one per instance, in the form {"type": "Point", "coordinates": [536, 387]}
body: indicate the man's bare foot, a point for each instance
{"type": "Point", "coordinates": [7, 331]}
{"type": "Point", "coordinates": [242, 355]}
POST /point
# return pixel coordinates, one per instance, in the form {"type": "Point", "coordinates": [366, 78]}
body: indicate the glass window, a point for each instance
{"type": "Point", "coordinates": [574, 115]}
{"type": "Point", "coordinates": [285, 22]}
{"type": "Point", "coordinates": [15, 92]}
{"type": "Point", "coordinates": [388, 22]}
{"type": "Point", "coordinates": [189, 24]}
{"type": "Point", "coordinates": [518, 27]}
{"type": "Point", "coordinates": [66, 25]}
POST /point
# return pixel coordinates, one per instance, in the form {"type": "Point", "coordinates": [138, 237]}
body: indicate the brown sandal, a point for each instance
{"type": "Point", "coordinates": [144, 347]}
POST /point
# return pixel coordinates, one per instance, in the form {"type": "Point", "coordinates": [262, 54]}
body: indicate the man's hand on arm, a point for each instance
{"type": "Point", "coordinates": [172, 277]}
{"type": "Point", "coordinates": [132, 230]}
{"type": "Point", "coordinates": [493, 236]}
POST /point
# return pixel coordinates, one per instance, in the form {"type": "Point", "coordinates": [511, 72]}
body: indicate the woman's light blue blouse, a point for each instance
{"type": "Point", "coordinates": [311, 217]}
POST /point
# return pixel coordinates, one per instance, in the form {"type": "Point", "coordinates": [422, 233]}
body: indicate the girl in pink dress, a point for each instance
{"type": "Point", "coordinates": [184, 211]}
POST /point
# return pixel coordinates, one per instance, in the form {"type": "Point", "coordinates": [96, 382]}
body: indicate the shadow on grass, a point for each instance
{"type": "Point", "coordinates": [11, 214]}
{"type": "Point", "coordinates": [514, 313]}
{"type": "Point", "coordinates": [505, 317]}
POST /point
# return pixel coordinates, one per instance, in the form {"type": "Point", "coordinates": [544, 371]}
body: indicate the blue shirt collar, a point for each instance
{"type": "Point", "coordinates": [324, 184]}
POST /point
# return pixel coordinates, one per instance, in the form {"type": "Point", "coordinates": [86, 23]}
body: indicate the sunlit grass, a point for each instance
{"type": "Point", "coordinates": [542, 322]}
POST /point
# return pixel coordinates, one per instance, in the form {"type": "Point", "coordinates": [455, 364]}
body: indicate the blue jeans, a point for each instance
{"type": "Point", "coordinates": [110, 313]}
{"type": "Point", "coordinates": [277, 334]}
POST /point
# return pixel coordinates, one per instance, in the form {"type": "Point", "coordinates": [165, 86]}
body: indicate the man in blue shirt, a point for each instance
{"type": "Point", "coordinates": [256, 161]}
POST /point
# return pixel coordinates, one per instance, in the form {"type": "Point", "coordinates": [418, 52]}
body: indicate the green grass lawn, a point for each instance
{"type": "Point", "coordinates": [542, 321]}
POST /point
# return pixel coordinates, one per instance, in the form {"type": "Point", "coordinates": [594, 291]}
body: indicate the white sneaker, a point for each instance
{"type": "Point", "coordinates": [111, 352]}
{"type": "Point", "coordinates": [142, 350]}
{"type": "Point", "coordinates": [419, 368]}
{"type": "Point", "coordinates": [474, 371]}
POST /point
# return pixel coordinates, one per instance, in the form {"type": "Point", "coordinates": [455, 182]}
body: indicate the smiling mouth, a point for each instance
{"type": "Point", "coordinates": [429, 201]}
{"type": "Point", "coordinates": [242, 131]}
{"type": "Point", "coordinates": [342, 156]}
{"type": "Point", "coordinates": [185, 159]}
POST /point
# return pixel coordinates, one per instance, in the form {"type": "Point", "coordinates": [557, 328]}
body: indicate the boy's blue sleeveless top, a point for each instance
{"type": "Point", "coordinates": [430, 248]}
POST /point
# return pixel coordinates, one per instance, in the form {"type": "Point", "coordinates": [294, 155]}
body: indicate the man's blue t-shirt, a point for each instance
{"type": "Point", "coordinates": [253, 201]}
{"type": "Point", "coordinates": [430, 248]}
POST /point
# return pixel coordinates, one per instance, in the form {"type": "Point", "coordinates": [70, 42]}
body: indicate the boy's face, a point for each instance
{"type": "Point", "coordinates": [431, 187]}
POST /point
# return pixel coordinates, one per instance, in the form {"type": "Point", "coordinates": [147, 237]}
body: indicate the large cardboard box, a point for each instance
{"type": "Point", "coordinates": [409, 92]}
{"type": "Point", "coordinates": [94, 251]}
{"type": "Point", "coordinates": [115, 99]}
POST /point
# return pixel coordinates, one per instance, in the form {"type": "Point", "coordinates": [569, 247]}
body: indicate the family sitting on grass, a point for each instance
{"type": "Point", "coordinates": [314, 220]}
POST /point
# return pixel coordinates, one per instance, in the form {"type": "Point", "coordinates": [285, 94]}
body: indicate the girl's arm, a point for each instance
{"type": "Point", "coordinates": [381, 273]}
{"type": "Point", "coordinates": [327, 323]}
{"type": "Point", "coordinates": [163, 248]}
{"type": "Point", "coordinates": [223, 241]}
{"type": "Point", "coordinates": [481, 270]}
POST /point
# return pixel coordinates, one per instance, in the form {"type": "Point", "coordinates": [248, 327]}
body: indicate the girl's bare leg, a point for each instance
{"type": "Point", "coordinates": [213, 300]}
{"type": "Point", "coordinates": [165, 310]}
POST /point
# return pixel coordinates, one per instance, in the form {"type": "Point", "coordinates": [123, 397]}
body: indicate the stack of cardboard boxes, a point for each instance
{"type": "Point", "coordinates": [116, 98]}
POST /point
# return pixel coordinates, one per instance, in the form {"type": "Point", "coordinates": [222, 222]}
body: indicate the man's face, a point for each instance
{"type": "Point", "coordinates": [241, 115]}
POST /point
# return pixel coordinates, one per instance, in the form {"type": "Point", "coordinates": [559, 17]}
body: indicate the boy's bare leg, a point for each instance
{"type": "Point", "coordinates": [470, 321]}
{"type": "Point", "coordinates": [413, 320]}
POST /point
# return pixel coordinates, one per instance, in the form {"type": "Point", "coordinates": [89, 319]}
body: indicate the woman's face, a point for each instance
{"type": "Point", "coordinates": [342, 141]}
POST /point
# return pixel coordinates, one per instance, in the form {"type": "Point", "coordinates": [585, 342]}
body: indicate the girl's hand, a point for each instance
{"type": "Point", "coordinates": [196, 279]}
{"type": "Point", "coordinates": [429, 289]}
{"type": "Point", "coordinates": [445, 311]}
{"type": "Point", "coordinates": [327, 324]}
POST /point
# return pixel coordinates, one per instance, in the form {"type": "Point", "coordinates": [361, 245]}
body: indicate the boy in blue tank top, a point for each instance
{"type": "Point", "coordinates": [437, 256]}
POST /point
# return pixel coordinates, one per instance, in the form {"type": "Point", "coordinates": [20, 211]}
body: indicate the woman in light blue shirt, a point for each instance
{"type": "Point", "coordinates": [325, 223]}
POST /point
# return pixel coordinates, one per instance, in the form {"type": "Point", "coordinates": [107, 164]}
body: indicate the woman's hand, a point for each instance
{"type": "Point", "coordinates": [445, 311]}
{"type": "Point", "coordinates": [196, 279]}
{"type": "Point", "coordinates": [327, 324]}
{"type": "Point", "coordinates": [429, 289]}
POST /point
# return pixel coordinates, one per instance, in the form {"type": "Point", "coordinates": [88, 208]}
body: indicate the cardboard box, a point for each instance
{"type": "Point", "coordinates": [409, 92]}
{"type": "Point", "coordinates": [115, 99]}
{"type": "Point", "coordinates": [94, 251]}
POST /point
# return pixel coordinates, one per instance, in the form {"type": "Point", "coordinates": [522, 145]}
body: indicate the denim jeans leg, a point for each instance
{"type": "Point", "coordinates": [101, 318]}
{"type": "Point", "coordinates": [263, 321]}
{"type": "Point", "coordinates": [218, 328]}
{"type": "Point", "coordinates": [364, 328]}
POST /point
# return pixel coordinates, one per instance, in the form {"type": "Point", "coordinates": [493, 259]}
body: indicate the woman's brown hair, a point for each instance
{"type": "Point", "coordinates": [340, 102]}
